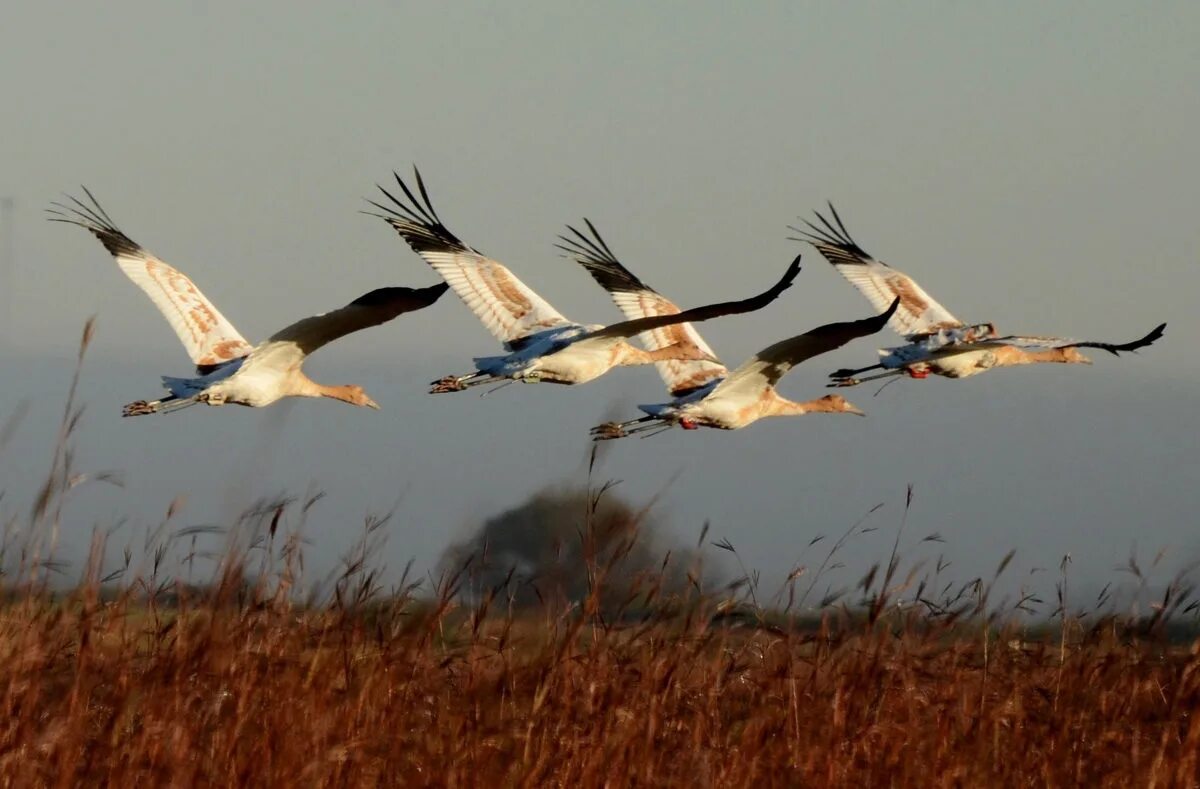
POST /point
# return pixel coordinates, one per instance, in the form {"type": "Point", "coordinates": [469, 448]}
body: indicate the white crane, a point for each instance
{"type": "Point", "coordinates": [706, 394]}
{"type": "Point", "coordinates": [938, 342]}
{"type": "Point", "coordinates": [229, 369]}
{"type": "Point", "coordinates": [541, 344]}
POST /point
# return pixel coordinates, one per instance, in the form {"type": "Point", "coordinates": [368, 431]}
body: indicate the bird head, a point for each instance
{"type": "Point", "coordinates": [356, 395]}
{"type": "Point", "coordinates": [836, 404]}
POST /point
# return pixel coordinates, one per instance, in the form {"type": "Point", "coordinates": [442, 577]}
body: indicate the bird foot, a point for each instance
{"type": "Point", "coordinates": [841, 382]}
{"type": "Point", "coordinates": [140, 407]}
{"type": "Point", "coordinates": [608, 431]}
{"type": "Point", "coordinates": [450, 383]}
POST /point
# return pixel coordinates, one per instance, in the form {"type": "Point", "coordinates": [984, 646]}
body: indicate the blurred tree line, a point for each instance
{"type": "Point", "coordinates": [562, 541]}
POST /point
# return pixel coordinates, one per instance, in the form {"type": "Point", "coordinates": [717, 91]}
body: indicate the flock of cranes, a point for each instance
{"type": "Point", "coordinates": [541, 345]}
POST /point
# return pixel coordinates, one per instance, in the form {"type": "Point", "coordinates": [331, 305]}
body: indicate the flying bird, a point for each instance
{"type": "Point", "coordinates": [706, 394]}
{"type": "Point", "coordinates": [937, 342]}
{"type": "Point", "coordinates": [228, 368]}
{"type": "Point", "coordinates": [540, 344]}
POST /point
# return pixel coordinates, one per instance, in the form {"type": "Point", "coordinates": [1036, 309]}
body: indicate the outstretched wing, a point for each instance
{"type": "Point", "coordinates": [507, 307]}
{"type": "Point", "coordinates": [636, 300]}
{"type": "Point", "coordinates": [209, 338]}
{"type": "Point", "coordinates": [707, 312]}
{"type": "Point", "coordinates": [288, 347]}
{"type": "Point", "coordinates": [767, 366]}
{"type": "Point", "coordinates": [880, 283]}
{"type": "Point", "coordinates": [1063, 342]}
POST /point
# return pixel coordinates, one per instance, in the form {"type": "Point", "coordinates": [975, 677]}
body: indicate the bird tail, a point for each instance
{"type": "Point", "coordinates": [492, 365]}
{"type": "Point", "coordinates": [184, 387]}
{"type": "Point", "coordinates": [659, 410]}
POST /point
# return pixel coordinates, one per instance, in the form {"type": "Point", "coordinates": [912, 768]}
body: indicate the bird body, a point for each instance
{"type": "Point", "coordinates": [229, 369]}
{"type": "Point", "coordinates": [707, 394]}
{"type": "Point", "coordinates": [725, 412]}
{"type": "Point", "coordinates": [575, 361]}
{"type": "Point", "coordinates": [748, 394]}
{"type": "Point", "coordinates": [938, 343]}
{"type": "Point", "coordinates": [965, 360]}
{"type": "Point", "coordinates": [542, 345]}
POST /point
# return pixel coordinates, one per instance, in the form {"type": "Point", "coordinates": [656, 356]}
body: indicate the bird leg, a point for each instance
{"type": "Point", "coordinates": [852, 381]}
{"type": "Point", "coordinates": [163, 406]}
{"type": "Point", "coordinates": [610, 430]}
{"type": "Point", "coordinates": [497, 387]}
{"type": "Point", "coordinates": [914, 371]}
{"type": "Point", "coordinates": [176, 404]}
{"type": "Point", "coordinates": [846, 372]}
{"type": "Point", "coordinates": [142, 407]}
{"type": "Point", "coordinates": [458, 383]}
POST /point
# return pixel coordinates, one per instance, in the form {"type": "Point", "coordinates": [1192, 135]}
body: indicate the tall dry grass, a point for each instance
{"type": "Point", "coordinates": [143, 675]}
{"type": "Point", "coordinates": [237, 687]}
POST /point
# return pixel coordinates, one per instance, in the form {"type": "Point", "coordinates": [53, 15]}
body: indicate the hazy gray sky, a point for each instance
{"type": "Point", "coordinates": [1031, 165]}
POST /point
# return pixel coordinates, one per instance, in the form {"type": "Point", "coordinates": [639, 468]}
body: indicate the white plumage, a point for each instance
{"type": "Point", "coordinates": [748, 394]}
{"type": "Point", "coordinates": [938, 343]}
{"type": "Point", "coordinates": [542, 345]}
{"type": "Point", "coordinates": [229, 369]}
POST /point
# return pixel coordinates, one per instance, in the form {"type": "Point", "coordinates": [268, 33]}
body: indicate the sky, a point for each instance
{"type": "Point", "coordinates": [1034, 166]}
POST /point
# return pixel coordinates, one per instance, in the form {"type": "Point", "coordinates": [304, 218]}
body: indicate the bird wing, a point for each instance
{"type": "Point", "coordinates": [767, 366]}
{"type": "Point", "coordinates": [509, 308]}
{"type": "Point", "coordinates": [1030, 341]}
{"type": "Point", "coordinates": [288, 347]}
{"type": "Point", "coordinates": [210, 339]}
{"type": "Point", "coordinates": [636, 300]}
{"type": "Point", "coordinates": [707, 312]}
{"type": "Point", "coordinates": [879, 282]}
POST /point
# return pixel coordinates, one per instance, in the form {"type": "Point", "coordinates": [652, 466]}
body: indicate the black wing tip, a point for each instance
{"type": "Point", "coordinates": [383, 296]}
{"type": "Point", "coordinates": [95, 220]}
{"type": "Point", "coordinates": [415, 218]}
{"type": "Point", "coordinates": [793, 270]}
{"type": "Point", "coordinates": [859, 328]}
{"type": "Point", "coordinates": [1130, 347]}
{"type": "Point", "coordinates": [876, 323]}
{"type": "Point", "coordinates": [832, 235]}
{"type": "Point", "coordinates": [887, 314]}
{"type": "Point", "coordinates": [594, 254]}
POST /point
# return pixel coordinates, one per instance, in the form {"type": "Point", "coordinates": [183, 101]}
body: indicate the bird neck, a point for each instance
{"type": "Point", "coordinates": [781, 406]}
{"type": "Point", "coordinates": [307, 387]}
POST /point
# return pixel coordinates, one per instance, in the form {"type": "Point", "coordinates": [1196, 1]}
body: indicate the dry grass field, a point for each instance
{"type": "Point", "coordinates": [237, 690]}
{"type": "Point", "coordinates": [130, 677]}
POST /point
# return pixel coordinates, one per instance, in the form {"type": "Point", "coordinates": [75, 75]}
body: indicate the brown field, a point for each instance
{"type": "Point", "coordinates": [222, 691]}
{"type": "Point", "coordinates": [133, 678]}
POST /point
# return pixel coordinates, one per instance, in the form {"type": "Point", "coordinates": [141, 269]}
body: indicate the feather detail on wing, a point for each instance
{"type": "Point", "coordinates": [769, 365]}
{"type": "Point", "coordinates": [1028, 341]}
{"type": "Point", "coordinates": [637, 300]}
{"type": "Point", "coordinates": [507, 307]}
{"type": "Point", "coordinates": [288, 347]}
{"type": "Point", "coordinates": [880, 283]}
{"type": "Point", "coordinates": [209, 338]}
{"type": "Point", "coordinates": [707, 312]}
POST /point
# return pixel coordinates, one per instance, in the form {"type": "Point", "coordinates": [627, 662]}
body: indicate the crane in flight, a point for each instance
{"type": "Point", "coordinates": [937, 342]}
{"type": "Point", "coordinates": [706, 394]}
{"type": "Point", "coordinates": [540, 344]}
{"type": "Point", "coordinates": [228, 368]}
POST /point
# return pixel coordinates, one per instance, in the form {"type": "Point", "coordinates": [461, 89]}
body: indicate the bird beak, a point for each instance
{"type": "Point", "coordinates": [371, 404]}
{"type": "Point", "coordinates": [853, 409]}
{"type": "Point", "coordinates": [708, 357]}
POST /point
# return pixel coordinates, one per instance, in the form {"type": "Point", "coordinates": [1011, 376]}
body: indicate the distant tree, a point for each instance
{"type": "Point", "coordinates": [553, 547]}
